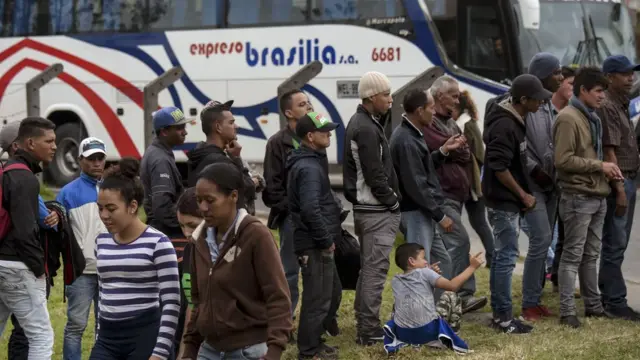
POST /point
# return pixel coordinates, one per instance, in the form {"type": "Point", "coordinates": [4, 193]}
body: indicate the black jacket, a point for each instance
{"type": "Point", "coordinates": [162, 184]}
{"type": "Point", "coordinates": [20, 190]}
{"type": "Point", "coordinates": [275, 174]}
{"type": "Point", "coordinates": [315, 214]}
{"type": "Point", "coordinates": [416, 169]}
{"type": "Point", "coordinates": [62, 244]}
{"type": "Point", "coordinates": [206, 154]}
{"type": "Point", "coordinates": [506, 149]}
{"type": "Point", "coordinates": [369, 179]}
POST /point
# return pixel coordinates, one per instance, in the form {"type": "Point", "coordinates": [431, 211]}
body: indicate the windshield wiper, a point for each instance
{"type": "Point", "coordinates": [588, 52]}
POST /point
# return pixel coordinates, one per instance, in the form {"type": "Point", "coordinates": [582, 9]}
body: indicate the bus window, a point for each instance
{"type": "Point", "coordinates": [254, 12]}
{"type": "Point", "coordinates": [179, 14]}
{"type": "Point", "coordinates": [326, 10]}
{"type": "Point", "coordinates": [482, 43]}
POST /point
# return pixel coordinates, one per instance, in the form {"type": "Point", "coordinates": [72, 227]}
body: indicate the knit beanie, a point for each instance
{"type": "Point", "coordinates": [543, 64]}
{"type": "Point", "coordinates": [373, 83]}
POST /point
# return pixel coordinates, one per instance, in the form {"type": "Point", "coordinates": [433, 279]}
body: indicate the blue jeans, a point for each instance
{"type": "Point", "coordinates": [505, 233]}
{"type": "Point", "coordinates": [458, 245]}
{"type": "Point", "coordinates": [22, 294]}
{"type": "Point", "coordinates": [538, 225]}
{"type": "Point", "coordinates": [252, 352]}
{"type": "Point", "coordinates": [420, 229]}
{"type": "Point", "coordinates": [615, 238]}
{"type": "Point", "coordinates": [289, 260]}
{"type": "Point", "coordinates": [80, 294]}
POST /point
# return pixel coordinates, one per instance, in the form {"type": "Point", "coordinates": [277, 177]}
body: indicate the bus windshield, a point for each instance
{"type": "Point", "coordinates": [562, 32]}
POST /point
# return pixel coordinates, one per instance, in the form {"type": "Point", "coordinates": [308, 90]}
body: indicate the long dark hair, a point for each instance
{"type": "Point", "coordinates": [467, 105]}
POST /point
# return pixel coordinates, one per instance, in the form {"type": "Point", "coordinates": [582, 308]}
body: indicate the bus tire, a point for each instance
{"type": "Point", "coordinates": [64, 167]}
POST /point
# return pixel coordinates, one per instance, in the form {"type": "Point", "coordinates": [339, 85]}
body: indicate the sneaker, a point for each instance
{"type": "Point", "coordinates": [369, 340]}
{"type": "Point", "coordinates": [325, 352]}
{"type": "Point", "coordinates": [544, 311]}
{"type": "Point", "coordinates": [531, 314]}
{"type": "Point", "coordinates": [597, 314]}
{"type": "Point", "coordinates": [513, 326]}
{"type": "Point", "coordinates": [473, 303]}
{"type": "Point", "coordinates": [571, 321]}
{"type": "Point", "coordinates": [624, 313]}
{"type": "Point", "coordinates": [333, 329]}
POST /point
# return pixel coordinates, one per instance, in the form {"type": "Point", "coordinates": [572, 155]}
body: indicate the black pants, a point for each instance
{"type": "Point", "coordinates": [127, 340]}
{"type": "Point", "coordinates": [18, 348]}
{"type": "Point", "coordinates": [321, 296]}
{"type": "Point", "coordinates": [477, 212]}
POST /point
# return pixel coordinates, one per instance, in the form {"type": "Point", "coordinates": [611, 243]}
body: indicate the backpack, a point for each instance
{"type": "Point", "coordinates": [5, 217]}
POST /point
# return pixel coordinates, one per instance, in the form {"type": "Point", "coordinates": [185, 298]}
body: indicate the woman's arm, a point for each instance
{"type": "Point", "coordinates": [187, 318]}
{"type": "Point", "coordinates": [275, 291]}
{"type": "Point", "coordinates": [166, 262]}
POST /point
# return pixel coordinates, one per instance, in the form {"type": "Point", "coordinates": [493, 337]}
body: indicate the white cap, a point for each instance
{"type": "Point", "coordinates": [92, 145]}
{"type": "Point", "coordinates": [373, 83]}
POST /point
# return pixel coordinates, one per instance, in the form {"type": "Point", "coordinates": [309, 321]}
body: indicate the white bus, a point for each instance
{"type": "Point", "coordinates": [243, 49]}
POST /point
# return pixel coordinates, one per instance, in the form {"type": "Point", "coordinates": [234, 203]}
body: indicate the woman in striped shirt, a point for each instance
{"type": "Point", "coordinates": [137, 274]}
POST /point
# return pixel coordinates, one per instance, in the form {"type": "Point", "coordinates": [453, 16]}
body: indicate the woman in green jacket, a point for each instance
{"type": "Point", "coordinates": [475, 205]}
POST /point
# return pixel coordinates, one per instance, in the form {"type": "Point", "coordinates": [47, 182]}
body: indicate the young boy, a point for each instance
{"type": "Point", "coordinates": [415, 319]}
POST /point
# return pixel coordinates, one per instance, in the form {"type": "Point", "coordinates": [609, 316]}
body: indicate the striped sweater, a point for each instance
{"type": "Point", "coordinates": [138, 277]}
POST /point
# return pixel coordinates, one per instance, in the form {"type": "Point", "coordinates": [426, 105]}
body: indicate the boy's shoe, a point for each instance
{"type": "Point", "coordinates": [371, 340]}
{"type": "Point", "coordinates": [514, 326]}
{"type": "Point", "coordinates": [571, 321]}
{"type": "Point", "coordinates": [325, 352]}
{"type": "Point", "coordinates": [473, 303]}
{"type": "Point", "coordinates": [333, 329]}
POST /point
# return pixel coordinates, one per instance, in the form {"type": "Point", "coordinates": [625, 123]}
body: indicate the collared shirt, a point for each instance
{"type": "Point", "coordinates": [618, 131]}
{"type": "Point", "coordinates": [214, 247]}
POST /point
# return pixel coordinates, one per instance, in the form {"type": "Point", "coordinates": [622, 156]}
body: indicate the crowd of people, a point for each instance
{"type": "Point", "coordinates": [203, 278]}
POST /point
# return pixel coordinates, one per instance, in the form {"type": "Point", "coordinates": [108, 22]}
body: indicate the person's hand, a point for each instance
{"type": "Point", "coordinates": [256, 181]}
{"type": "Point", "coordinates": [476, 260]}
{"type": "Point", "coordinates": [153, 357]}
{"type": "Point", "coordinates": [454, 142]}
{"type": "Point", "coordinates": [612, 171]}
{"type": "Point", "coordinates": [436, 267]}
{"type": "Point", "coordinates": [330, 249]}
{"type": "Point", "coordinates": [234, 148]}
{"type": "Point", "coordinates": [529, 201]}
{"type": "Point", "coordinates": [52, 219]}
{"type": "Point", "coordinates": [446, 224]}
{"type": "Point", "coordinates": [621, 203]}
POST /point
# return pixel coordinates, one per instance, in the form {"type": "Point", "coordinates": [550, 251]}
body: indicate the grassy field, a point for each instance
{"type": "Point", "coordinates": [598, 339]}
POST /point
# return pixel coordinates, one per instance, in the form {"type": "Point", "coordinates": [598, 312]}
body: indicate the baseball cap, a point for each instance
{"type": "Point", "coordinates": [168, 116]}
{"type": "Point", "coordinates": [314, 121]}
{"type": "Point", "coordinates": [92, 145]}
{"type": "Point", "coordinates": [529, 86]}
{"type": "Point", "coordinates": [214, 103]}
{"type": "Point", "coordinates": [9, 135]}
{"type": "Point", "coordinates": [618, 64]}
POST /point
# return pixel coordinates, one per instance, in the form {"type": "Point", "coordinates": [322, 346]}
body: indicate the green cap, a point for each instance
{"type": "Point", "coordinates": [314, 121]}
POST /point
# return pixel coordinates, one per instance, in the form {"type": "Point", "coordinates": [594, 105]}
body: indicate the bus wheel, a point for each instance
{"type": "Point", "coordinates": [64, 166]}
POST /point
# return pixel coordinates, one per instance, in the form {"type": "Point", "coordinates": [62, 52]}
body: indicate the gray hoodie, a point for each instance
{"type": "Point", "coordinates": [540, 143]}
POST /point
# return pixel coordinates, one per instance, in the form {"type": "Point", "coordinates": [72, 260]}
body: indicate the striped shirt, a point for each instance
{"type": "Point", "coordinates": [137, 277]}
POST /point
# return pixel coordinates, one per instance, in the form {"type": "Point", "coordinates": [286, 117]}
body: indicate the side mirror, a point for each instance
{"type": "Point", "coordinates": [530, 10]}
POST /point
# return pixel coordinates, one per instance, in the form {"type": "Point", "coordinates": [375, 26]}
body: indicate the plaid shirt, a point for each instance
{"type": "Point", "coordinates": [618, 132]}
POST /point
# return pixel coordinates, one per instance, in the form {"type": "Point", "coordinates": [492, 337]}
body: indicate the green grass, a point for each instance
{"type": "Point", "coordinates": [598, 339]}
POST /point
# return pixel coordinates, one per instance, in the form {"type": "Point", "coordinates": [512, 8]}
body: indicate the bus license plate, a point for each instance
{"type": "Point", "coordinates": [347, 89]}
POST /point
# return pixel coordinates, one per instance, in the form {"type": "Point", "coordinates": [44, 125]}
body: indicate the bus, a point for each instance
{"type": "Point", "coordinates": [244, 49]}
